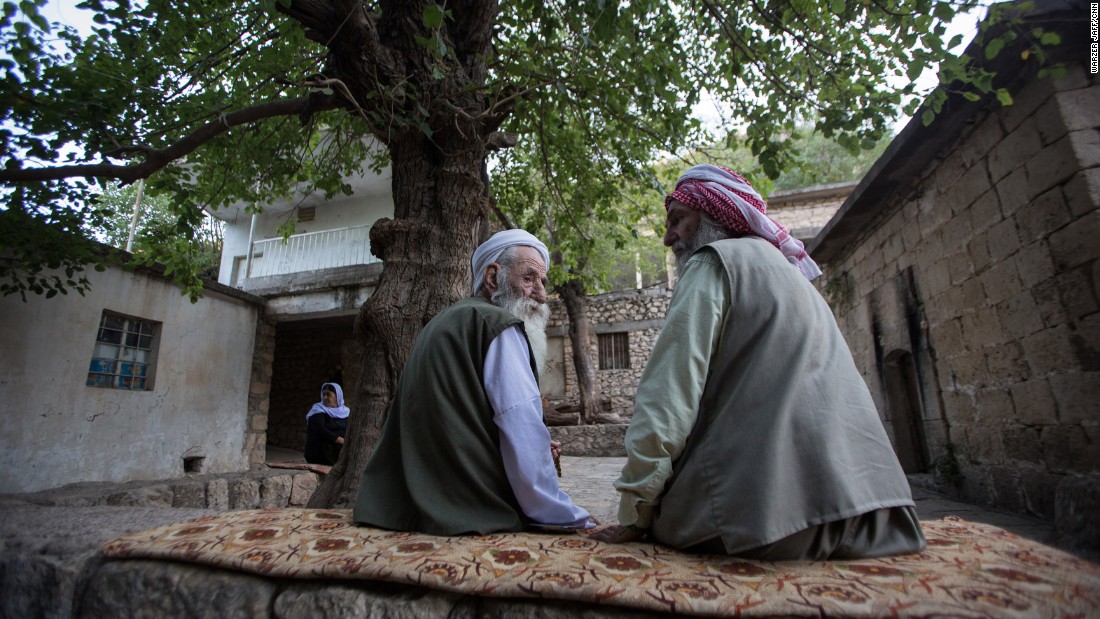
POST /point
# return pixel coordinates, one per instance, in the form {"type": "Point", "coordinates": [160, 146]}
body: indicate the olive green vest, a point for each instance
{"type": "Point", "coordinates": [437, 468]}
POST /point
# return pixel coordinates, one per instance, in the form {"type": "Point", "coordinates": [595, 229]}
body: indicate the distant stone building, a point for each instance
{"type": "Point", "coordinates": [963, 271]}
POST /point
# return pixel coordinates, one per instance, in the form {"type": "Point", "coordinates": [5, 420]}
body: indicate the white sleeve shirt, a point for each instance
{"type": "Point", "coordinates": [524, 439]}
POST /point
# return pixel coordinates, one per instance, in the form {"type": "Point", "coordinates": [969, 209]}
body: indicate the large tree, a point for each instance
{"type": "Point", "coordinates": [217, 102]}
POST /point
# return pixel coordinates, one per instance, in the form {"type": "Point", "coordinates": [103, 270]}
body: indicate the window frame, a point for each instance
{"type": "Point", "coordinates": [124, 356]}
{"type": "Point", "coordinates": [613, 350]}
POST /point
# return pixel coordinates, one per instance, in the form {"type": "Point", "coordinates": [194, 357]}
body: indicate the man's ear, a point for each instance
{"type": "Point", "coordinates": [491, 273]}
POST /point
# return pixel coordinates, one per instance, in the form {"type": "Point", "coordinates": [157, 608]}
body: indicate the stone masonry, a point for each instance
{"type": "Point", "coordinates": [982, 269]}
{"type": "Point", "coordinates": [639, 314]}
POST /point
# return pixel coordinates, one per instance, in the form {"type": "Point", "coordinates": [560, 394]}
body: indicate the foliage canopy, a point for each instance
{"type": "Point", "coordinates": [217, 102]}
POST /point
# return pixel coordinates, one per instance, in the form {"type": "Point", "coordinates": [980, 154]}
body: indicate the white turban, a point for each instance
{"type": "Point", "coordinates": [490, 251]}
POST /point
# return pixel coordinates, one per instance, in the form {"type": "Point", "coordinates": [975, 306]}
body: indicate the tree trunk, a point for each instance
{"type": "Point", "coordinates": [425, 251]}
{"type": "Point", "coordinates": [572, 295]}
{"type": "Point", "coordinates": [437, 135]}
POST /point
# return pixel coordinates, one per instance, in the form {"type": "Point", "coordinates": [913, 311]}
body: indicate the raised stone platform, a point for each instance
{"type": "Point", "coordinates": [50, 564]}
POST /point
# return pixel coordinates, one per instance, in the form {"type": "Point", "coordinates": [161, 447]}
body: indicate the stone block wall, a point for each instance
{"type": "Point", "coordinates": [640, 314]}
{"type": "Point", "coordinates": [1000, 233]}
{"type": "Point", "coordinates": [604, 440]}
{"type": "Point", "coordinates": [259, 394]}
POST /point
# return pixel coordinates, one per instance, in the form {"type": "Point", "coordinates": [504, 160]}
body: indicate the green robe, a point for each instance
{"type": "Point", "coordinates": [437, 468]}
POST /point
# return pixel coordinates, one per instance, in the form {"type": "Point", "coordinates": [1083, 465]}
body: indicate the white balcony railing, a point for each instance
{"type": "Point", "coordinates": [311, 251]}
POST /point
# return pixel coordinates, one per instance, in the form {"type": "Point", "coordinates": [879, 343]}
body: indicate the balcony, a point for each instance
{"type": "Point", "coordinates": [312, 251]}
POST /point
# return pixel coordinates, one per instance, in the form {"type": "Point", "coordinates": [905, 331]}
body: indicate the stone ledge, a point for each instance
{"type": "Point", "coordinates": [242, 490]}
{"type": "Point", "coordinates": [601, 440]}
{"type": "Point", "coordinates": [138, 588]}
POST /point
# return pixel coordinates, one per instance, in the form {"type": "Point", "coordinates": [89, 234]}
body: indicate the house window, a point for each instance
{"type": "Point", "coordinates": [125, 353]}
{"type": "Point", "coordinates": [614, 351]}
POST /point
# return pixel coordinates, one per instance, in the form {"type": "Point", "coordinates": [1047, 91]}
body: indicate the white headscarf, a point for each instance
{"type": "Point", "coordinates": [339, 411]}
{"type": "Point", "coordinates": [489, 251]}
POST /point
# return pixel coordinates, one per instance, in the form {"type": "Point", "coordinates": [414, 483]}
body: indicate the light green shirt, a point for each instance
{"type": "Point", "coordinates": [672, 383]}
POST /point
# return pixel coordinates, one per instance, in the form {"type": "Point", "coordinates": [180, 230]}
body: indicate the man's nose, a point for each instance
{"type": "Point", "coordinates": [538, 292]}
{"type": "Point", "coordinates": [670, 238]}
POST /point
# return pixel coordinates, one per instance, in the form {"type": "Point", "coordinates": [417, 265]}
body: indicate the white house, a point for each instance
{"type": "Point", "coordinates": [129, 381]}
{"type": "Point", "coordinates": [313, 284]}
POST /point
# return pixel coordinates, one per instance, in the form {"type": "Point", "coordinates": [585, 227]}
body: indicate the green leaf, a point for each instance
{"type": "Point", "coordinates": [970, 96]}
{"type": "Point", "coordinates": [433, 16]}
{"type": "Point", "coordinates": [927, 117]}
{"type": "Point", "coordinates": [993, 48]}
{"type": "Point", "coordinates": [1050, 38]}
{"type": "Point", "coordinates": [1004, 96]}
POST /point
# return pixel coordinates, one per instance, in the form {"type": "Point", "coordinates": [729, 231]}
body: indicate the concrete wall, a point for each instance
{"type": "Point", "coordinates": [355, 210]}
{"type": "Point", "coordinates": [981, 271]}
{"type": "Point", "coordinates": [56, 430]}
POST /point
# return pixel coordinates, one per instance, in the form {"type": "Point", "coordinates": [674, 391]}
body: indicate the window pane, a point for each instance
{"type": "Point", "coordinates": [146, 342]}
{"type": "Point", "coordinates": [614, 351]}
{"type": "Point", "coordinates": [114, 322]}
{"type": "Point", "coordinates": [110, 336]}
{"type": "Point", "coordinates": [102, 366]}
{"type": "Point", "coordinates": [131, 339]}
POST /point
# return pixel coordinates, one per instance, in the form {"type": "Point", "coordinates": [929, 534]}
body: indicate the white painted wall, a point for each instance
{"type": "Point", "coordinates": [371, 201]}
{"type": "Point", "coordinates": [56, 430]}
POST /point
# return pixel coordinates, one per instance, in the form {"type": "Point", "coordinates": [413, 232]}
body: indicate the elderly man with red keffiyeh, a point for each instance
{"type": "Point", "coordinates": [753, 432]}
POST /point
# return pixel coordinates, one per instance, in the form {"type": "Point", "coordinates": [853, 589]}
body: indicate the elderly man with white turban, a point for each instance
{"type": "Point", "coordinates": [464, 448]}
{"type": "Point", "coordinates": [753, 432]}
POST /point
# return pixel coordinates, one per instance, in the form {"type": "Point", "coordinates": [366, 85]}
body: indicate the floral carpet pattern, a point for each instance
{"type": "Point", "coordinates": [968, 570]}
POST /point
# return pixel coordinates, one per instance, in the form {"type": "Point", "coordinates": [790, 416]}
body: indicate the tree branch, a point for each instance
{"type": "Point", "coordinates": [156, 159]}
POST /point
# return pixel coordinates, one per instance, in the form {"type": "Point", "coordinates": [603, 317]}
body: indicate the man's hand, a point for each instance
{"type": "Point", "coordinates": [555, 449]}
{"type": "Point", "coordinates": [618, 534]}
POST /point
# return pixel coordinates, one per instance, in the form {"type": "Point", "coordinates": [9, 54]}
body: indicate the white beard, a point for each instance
{"type": "Point", "coordinates": [534, 315]}
{"type": "Point", "coordinates": [536, 336]}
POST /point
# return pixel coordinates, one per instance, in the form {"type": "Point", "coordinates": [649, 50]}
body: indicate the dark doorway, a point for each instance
{"type": "Point", "coordinates": [308, 353]}
{"type": "Point", "coordinates": [904, 412]}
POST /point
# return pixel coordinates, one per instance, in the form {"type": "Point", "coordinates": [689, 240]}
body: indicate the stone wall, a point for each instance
{"type": "Point", "coordinates": [256, 489]}
{"type": "Point", "coordinates": [600, 440]}
{"type": "Point", "coordinates": [980, 275]}
{"type": "Point", "coordinates": [259, 394]}
{"type": "Point", "coordinates": [805, 212]}
{"type": "Point", "coordinates": [640, 314]}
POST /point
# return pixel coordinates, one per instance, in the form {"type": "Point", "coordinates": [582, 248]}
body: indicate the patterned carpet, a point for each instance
{"type": "Point", "coordinates": [968, 570]}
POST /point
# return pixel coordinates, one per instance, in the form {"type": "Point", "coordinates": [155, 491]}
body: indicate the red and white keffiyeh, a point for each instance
{"type": "Point", "coordinates": [727, 197]}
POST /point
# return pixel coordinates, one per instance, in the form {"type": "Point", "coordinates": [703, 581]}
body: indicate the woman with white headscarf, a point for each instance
{"type": "Point", "coordinates": [326, 426]}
